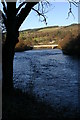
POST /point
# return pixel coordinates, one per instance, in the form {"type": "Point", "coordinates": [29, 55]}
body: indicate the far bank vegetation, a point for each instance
{"type": "Point", "coordinates": [67, 38]}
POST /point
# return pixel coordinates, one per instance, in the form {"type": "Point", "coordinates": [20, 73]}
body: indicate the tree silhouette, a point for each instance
{"type": "Point", "coordinates": [13, 17]}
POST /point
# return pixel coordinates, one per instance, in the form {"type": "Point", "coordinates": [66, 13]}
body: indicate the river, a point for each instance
{"type": "Point", "coordinates": [50, 76]}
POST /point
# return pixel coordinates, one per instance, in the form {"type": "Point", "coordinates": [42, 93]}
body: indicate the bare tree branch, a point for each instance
{"type": "Point", "coordinates": [20, 6]}
{"type": "Point", "coordinates": [4, 8]}
{"type": "Point", "coordinates": [70, 9]}
{"type": "Point", "coordinates": [41, 10]}
{"type": "Point", "coordinates": [75, 3]}
{"type": "Point", "coordinates": [4, 20]}
{"type": "Point", "coordinates": [43, 6]}
{"type": "Point", "coordinates": [24, 13]}
{"type": "Point", "coordinates": [40, 14]}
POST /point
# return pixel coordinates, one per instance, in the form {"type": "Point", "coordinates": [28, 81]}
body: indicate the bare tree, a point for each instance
{"type": "Point", "coordinates": [13, 18]}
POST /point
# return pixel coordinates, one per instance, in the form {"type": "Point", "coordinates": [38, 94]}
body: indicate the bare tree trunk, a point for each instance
{"type": "Point", "coordinates": [8, 47]}
{"type": "Point", "coordinates": [7, 62]}
{"type": "Point", "coordinates": [13, 23]}
{"type": "Point", "coordinates": [7, 66]}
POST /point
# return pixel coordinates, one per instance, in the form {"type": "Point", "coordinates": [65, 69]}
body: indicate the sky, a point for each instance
{"type": "Point", "coordinates": [55, 16]}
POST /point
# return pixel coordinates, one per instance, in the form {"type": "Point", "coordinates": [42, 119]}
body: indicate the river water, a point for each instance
{"type": "Point", "coordinates": [50, 76]}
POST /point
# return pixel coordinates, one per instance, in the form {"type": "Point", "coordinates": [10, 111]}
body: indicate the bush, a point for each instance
{"type": "Point", "coordinates": [22, 46]}
{"type": "Point", "coordinates": [72, 47]}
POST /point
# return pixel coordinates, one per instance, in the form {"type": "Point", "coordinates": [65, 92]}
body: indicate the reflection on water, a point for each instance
{"type": "Point", "coordinates": [50, 75]}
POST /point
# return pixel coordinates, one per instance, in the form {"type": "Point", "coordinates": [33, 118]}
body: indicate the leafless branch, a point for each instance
{"type": "Point", "coordinates": [20, 6]}
{"type": "Point", "coordinates": [43, 6]}
{"type": "Point", "coordinates": [42, 9]}
{"type": "Point", "coordinates": [75, 3]}
{"type": "Point", "coordinates": [4, 20]}
{"type": "Point", "coordinates": [40, 14]}
{"type": "Point", "coordinates": [70, 9]}
{"type": "Point", "coordinates": [4, 8]}
{"type": "Point", "coordinates": [24, 13]}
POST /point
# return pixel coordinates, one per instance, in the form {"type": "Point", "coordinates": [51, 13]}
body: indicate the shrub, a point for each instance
{"type": "Point", "coordinates": [73, 46]}
{"type": "Point", "coordinates": [22, 46]}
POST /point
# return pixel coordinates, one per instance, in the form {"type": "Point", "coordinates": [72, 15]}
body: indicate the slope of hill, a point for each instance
{"type": "Point", "coordinates": [48, 35]}
{"type": "Point", "coordinates": [60, 35]}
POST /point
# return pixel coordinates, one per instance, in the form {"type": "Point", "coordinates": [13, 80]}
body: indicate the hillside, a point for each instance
{"type": "Point", "coordinates": [48, 35]}
{"type": "Point", "coordinates": [60, 35]}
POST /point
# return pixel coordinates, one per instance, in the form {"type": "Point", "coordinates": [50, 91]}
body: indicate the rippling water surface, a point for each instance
{"type": "Point", "coordinates": [50, 75]}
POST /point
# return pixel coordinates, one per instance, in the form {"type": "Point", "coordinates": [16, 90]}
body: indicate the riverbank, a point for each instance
{"type": "Point", "coordinates": [22, 46]}
{"type": "Point", "coordinates": [22, 49]}
{"type": "Point", "coordinates": [18, 105]}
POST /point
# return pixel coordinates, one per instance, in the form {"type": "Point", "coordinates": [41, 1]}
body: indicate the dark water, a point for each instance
{"type": "Point", "coordinates": [50, 75]}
